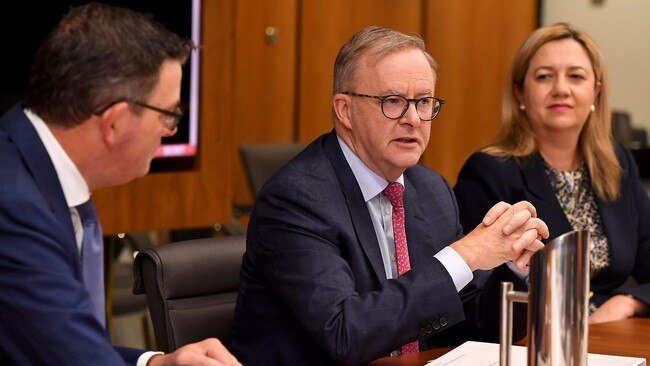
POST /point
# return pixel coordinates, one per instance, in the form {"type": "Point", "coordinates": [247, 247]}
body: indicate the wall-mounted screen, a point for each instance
{"type": "Point", "coordinates": [25, 24]}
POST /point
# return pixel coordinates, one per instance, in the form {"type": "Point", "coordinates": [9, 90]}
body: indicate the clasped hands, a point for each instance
{"type": "Point", "coordinates": [508, 233]}
{"type": "Point", "coordinates": [208, 352]}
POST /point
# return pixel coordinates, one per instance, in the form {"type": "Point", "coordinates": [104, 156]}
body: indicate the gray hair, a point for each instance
{"type": "Point", "coordinates": [378, 42]}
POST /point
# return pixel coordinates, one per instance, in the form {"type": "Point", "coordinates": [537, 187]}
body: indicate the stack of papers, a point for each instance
{"type": "Point", "coordinates": [487, 354]}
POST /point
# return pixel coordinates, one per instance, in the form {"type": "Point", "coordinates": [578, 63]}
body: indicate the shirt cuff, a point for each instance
{"type": "Point", "coordinates": [456, 266]}
{"type": "Point", "coordinates": [145, 357]}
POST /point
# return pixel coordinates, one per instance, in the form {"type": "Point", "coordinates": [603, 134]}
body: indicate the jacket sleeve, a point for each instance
{"type": "Point", "coordinates": [641, 201]}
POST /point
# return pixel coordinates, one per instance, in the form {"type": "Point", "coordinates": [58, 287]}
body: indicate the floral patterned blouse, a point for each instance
{"type": "Point", "coordinates": [577, 199]}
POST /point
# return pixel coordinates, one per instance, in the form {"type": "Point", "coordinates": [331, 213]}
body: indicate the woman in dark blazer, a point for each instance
{"type": "Point", "coordinates": [555, 149]}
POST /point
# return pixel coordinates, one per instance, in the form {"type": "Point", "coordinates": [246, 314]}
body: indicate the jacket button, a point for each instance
{"type": "Point", "coordinates": [436, 325]}
{"type": "Point", "coordinates": [443, 321]}
{"type": "Point", "coordinates": [422, 332]}
{"type": "Point", "coordinates": [429, 328]}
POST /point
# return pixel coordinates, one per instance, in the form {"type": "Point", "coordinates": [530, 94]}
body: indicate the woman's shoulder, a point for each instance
{"type": "Point", "coordinates": [624, 156]}
{"type": "Point", "coordinates": [488, 169]}
{"type": "Point", "coordinates": [484, 161]}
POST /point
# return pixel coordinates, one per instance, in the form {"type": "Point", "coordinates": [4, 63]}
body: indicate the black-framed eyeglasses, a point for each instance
{"type": "Point", "coordinates": [171, 120]}
{"type": "Point", "coordinates": [395, 106]}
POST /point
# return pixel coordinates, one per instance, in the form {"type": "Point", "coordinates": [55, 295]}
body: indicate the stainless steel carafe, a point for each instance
{"type": "Point", "coordinates": [558, 298]}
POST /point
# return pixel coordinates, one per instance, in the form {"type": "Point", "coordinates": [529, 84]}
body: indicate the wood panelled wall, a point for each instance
{"type": "Point", "coordinates": [201, 197]}
{"type": "Point", "coordinates": [265, 74]}
{"type": "Point", "coordinates": [474, 43]}
{"type": "Point", "coordinates": [258, 88]}
{"type": "Point", "coordinates": [326, 25]}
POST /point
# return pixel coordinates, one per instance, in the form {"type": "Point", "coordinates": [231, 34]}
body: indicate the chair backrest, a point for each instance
{"type": "Point", "coordinates": [262, 160]}
{"type": "Point", "coordinates": [191, 288]}
{"type": "Point", "coordinates": [621, 127]}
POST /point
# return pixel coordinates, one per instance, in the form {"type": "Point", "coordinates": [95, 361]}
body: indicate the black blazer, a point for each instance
{"type": "Point", "coordinates": [485, 180]}
{"type": "Point", "coordinates": [313, 289]}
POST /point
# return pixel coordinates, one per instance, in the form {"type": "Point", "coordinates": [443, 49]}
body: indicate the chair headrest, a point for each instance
{"type": "Point", "coordinates": [193, 267]}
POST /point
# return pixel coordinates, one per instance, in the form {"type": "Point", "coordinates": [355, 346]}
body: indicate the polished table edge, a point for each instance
{"type": "Point", "coordinates": [629, 337]}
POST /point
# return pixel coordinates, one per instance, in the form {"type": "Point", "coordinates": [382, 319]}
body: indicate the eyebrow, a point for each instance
{"type": "Point", "coordinates": [426, 92]}
{"type": "Point", "coordinates": [571, 68]}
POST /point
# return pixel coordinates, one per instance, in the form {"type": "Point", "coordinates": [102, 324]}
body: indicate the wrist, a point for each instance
{"type": "Point", "coordinates": [463, 253]}
{"type": "Point", "coordinates": [637, 305]}
{"type": "Point", "coordinates": [151, 359]}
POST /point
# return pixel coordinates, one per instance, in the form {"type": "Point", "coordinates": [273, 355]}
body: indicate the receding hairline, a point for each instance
{"type": "Point", "coordinates": [374, 55]}
{"type": "Point", "coordinates": [373, 42]}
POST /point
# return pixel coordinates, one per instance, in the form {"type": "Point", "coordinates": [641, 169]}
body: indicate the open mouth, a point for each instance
{"type": "Point", "coordinates": [406, 140]}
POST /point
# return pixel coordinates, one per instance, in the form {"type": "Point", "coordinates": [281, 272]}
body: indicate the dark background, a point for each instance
{"type": "Point", "coordinates": [24, 24]}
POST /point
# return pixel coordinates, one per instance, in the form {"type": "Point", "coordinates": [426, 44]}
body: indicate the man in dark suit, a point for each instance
{"type": "Point", "coordinates": [337, 269]}
{"type": "Point", "coordinates": [104, 89]}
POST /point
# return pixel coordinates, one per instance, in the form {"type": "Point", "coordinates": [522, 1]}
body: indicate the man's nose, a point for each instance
{"type": "Point", "coordinates": [411, 115]}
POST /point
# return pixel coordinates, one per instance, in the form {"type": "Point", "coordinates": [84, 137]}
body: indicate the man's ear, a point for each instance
{"type": "Point", "coordinates": [342, 107]}
{"type": "Point", "coordinates": [112, 121]}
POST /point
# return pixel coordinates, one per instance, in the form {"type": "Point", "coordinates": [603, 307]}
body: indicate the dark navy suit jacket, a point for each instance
{"type": "Point", "coordinates": [313, 289]}
{"type": "Point", "coordinates": [485, 180]}
{"type": "Point", "coordinates": [45, 314]}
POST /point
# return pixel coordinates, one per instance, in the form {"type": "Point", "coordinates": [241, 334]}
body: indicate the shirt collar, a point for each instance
{"type": "Point", "coordinates": [371, 183]}
{"type": "Point", "coordinates": [75, 188]}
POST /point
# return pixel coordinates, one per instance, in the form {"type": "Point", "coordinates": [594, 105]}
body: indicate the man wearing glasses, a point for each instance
{"type": "Point", "coordinates": [354, 250]}
{"type": "Point", "coordinates": [104, 90]}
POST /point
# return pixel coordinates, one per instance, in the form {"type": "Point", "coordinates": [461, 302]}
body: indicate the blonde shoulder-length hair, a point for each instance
{"type": "Point", "coordinates": [596, 144]}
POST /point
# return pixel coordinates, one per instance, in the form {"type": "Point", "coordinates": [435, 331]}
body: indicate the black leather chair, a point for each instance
{"type": "Point", "coordinates": [191, 288]}
{"type": "Point", "coordinates": [262, 160]}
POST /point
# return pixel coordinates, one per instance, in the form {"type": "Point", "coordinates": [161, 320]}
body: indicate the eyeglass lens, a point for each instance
{"type": "Point", "coordinates": [171, 121]}
{"type": "Point", "coordinates": [395, 106]}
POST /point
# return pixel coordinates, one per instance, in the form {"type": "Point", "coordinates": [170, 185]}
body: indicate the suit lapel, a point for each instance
{"type": "Point", "coordinates": [617, 218]}
{"type": "Point", "coordinates": [38, 162]}
{"type": "Point", "coordinates": [536, 178]}
{"type": "Point", "coordinates": [543, 196]}
{"type": "Point", "coordinates": [357, 208]}
{"type": "Point", "coordinates": [414, 221]}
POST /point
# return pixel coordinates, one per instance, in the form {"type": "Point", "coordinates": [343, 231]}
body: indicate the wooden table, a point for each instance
{"type": "Point", "coordinates": [630, 337]}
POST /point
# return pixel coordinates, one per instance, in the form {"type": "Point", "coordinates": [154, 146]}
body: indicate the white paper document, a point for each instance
{"type": "Point", "coordinates": [487, 354]}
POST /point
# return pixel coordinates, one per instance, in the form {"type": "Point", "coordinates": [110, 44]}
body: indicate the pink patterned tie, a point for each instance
{"type": "Point", "coordinates": [395, 194]}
